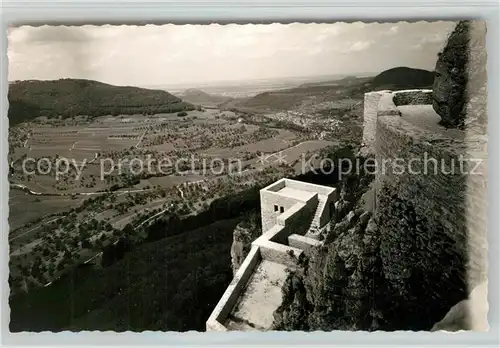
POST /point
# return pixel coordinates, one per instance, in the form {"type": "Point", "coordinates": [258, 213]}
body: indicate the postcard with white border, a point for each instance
{"type": "Point", "coordinates": [248, 177]}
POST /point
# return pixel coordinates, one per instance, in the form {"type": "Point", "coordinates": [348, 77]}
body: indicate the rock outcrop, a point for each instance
{"type": "Point", "coordinates": [333, 288]}
{"type": "Point", "coordinates": [477, 93]}
{"type": "Point", "coordinates": [451, 78]}
{"type": "Point", "coordinates": [244, 234]}
{"type": "Point", "coordinates": [460, 72]}
{"type": "Point", "coordinates": [470, 313]}
{"type": "Point", "coordinates": [394, 270]}
{"type": "Point", "coordinates": [418, 255]}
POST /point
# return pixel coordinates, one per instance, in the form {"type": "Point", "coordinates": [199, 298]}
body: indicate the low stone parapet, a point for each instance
{"type": "Point", "coordinates": [413, 97]}
{"type": "Point", "coordinates": [279, 253]}
{"type": "Point", "coordinates": [233, 291]}
{"type": "Point", "coordinates": [304, 243]}
{"type": "Point", "coordinates": [386, 106]}
{"type": "Point", "coordinates": [371, 101]}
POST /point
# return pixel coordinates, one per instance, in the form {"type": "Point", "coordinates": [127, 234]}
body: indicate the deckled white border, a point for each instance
{"type": "Point", "coordinates": [234, 11]}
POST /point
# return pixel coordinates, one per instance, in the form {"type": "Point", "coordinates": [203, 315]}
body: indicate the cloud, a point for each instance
{"type": "Point", "coordinates": [359, 46]}
{"type": "Point", "coordinates": [434, 40]}
{"type": "Point", "coordinates": [164, 54]}
{"type": "Point", "coordinates": [49, 34]}
{"type": "Point", "coordinates": [393, 30]}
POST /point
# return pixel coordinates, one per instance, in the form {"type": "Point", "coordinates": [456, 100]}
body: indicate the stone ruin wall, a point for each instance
{"type": "Point", "coordinates": [431, 227]}
{"type": "Point", "coordinates": [453, 208]}
{"type": "Point", "coordinates": [268, 215]}
{"type": "Point", "coordinates": [297, 222]}
{"type": "Point", "coordinates": [452, 203]}
{"type": "Point", "coordinates": [456, 204]}
{"type": "Point", "coordinates": [371, 102]}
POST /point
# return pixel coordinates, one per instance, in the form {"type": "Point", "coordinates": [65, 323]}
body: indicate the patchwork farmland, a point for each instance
{"type": "Point", "coordinates": [88, 183]}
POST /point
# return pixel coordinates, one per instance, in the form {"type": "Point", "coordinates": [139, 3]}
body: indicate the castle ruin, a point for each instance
{"type": "Point", "coordinates": [430, 190]}
{"type": "Point", "coordinates": [293, 213]}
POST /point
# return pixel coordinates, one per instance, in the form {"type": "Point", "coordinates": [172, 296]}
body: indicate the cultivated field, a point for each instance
{"type": "Point", "coordinates": [75, 210]}
{"type": "Point", "coordinates": [24, 207]}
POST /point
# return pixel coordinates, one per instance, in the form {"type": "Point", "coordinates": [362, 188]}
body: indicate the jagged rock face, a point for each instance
{"type": "Point", "coordinates": [244, 234]}
{"type": "Point", "coordinates": [334, 288]}
{"type": "Point", "coordinates": [389, 272]}
{"type": "Point", "coordinates": [460, 71]}
{"type": "Point", "coordinates": [423, 259]}
{"type": "Point", "coordinates": [451, 78]}
{"type": "Point", "coordinates": [477, 94]}
{"type": "Point", "coordinates": [405, 267]}
{"type": "Point", "coordinates": [466, 45]}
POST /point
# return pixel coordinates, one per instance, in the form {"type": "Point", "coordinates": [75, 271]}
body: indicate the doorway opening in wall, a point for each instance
{"type": "Point", "coordinates": [276, 208]}
{"type": "Point", "coordinates": [282, 210]}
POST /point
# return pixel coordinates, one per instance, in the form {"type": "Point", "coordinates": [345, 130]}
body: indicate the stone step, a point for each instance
{"type": "Point", "coordinates": [319, 209]}
{"type": "Point", "coordinates": [317, 214]}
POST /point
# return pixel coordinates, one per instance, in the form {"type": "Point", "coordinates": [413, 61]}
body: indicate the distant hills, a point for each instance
{"type": "Point", "coordinates": [72, 97]}
{"type": "Point", "coordinates": [403, 78]}
{"type": "Point", "coordinates": [309, 93]}
{"type": "Point", "coordinates": [343, 81]}
{"type": "Point", "coordinates": [348, 87]}
{"type": "Point", "coordinates": [199, 97]}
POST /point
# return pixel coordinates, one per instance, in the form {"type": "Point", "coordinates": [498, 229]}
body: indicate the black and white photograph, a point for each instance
{"type": "Point", "coordinates": [248, 177]}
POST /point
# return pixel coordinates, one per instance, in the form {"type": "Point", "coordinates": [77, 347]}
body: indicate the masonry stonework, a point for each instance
{"type": "Point", "coordinates": [431, 190]}
{"type": "Point", "coordinates": [251, 298]}
{"type": "Point", "coordinates": [370, 117]}
{"type": "Point", "coordinates": [437, 185]}
{"type": "Point", "coordinates": [413, 97]}
{"type": "Point", "coordinates": [268, 202]}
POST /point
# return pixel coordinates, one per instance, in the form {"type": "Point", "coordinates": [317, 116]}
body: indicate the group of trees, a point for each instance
{"type": "Point", "coordinates": [182, 276]}
{"type": "Point", "coordinates": [59, 248]}
{"type": "Point", "coordinates": [174, 249]}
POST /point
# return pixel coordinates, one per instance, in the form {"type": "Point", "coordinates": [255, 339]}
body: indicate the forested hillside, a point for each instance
{"type": "Point", "coordinates": [72, 97]}
{"type": "Point", "coordinates": [403, 78]}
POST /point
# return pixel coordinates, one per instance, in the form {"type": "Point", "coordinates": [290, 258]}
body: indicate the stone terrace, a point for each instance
{"type": "Point", "coordinates": [292, 212]}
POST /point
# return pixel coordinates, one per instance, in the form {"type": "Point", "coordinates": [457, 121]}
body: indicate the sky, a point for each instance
{"type": "Point", "coordinates": [183, 54]}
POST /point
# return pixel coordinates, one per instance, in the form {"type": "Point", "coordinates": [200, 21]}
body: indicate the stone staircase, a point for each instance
{"type": "Point", "coordinates": [255, 292]}
{"type": "Point", "coordinates": [315, 223]}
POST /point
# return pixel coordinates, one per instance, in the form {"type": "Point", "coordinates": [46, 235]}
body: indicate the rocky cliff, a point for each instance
{"type": "Point", "coordinates": [464, 59]}
{"type": "Point", "coordinates": [395, 269]}
{"type": "Point", "coordinates": [460, 74]}
{"type": "Point", "coordinates": [243, 235]}
{"type": "Point", "coordinates": [419, 254]}
{"type": "Point", "coordinates": [333, 288]}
